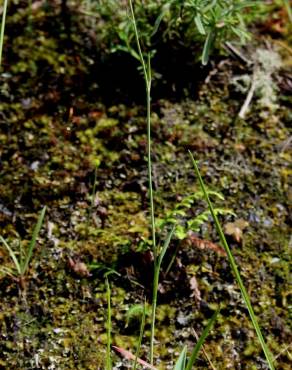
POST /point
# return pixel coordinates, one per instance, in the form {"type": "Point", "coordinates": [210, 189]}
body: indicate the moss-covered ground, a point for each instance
{"type": "Point", "coordinates": [74, 139]}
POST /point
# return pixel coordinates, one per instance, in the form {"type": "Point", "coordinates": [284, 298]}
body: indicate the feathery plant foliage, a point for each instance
{"type": "Point", "coordinates": [22, 259]}
{"type": "Point", "coordinates": [179, 214]}
{"type": "Point", "coordinates": [3, 22]}
{"type": "Point", "coordinates": [234, 268]}
{"type": "Point", "coordinates": [204, 22]}
{"type": "Point", "coordinates": [210, 19]}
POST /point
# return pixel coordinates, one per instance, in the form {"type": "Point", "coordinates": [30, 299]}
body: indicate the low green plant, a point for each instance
{"type": "Point", "coordinates": [171, 220]}
{"type": "Point", "coordinates": [22, 259]}
{"type": "Point", "coordinates": [179, 214]}
{"type": "Point", "coordinates": [159, 251]}
{"type": "Point", "coordinates": [202, 22]}
{"type": "Point", "coordinates": [211, 19]}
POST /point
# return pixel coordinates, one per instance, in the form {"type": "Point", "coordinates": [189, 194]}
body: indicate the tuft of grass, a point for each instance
{"type": "Point", "coordinates": [234, 268]}
{"type": "Point", "coordinates": [21, 261]}
{"type": "Point", "coordinates": [3, 22]}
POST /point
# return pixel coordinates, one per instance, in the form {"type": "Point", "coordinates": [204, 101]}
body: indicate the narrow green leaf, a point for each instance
{"type": "Point", "coordinates": [181, 361]}
{"type": "Point", "coordinates": [8, 271]}
{"type": "Point", "coordinates": [234, 268]}
{"type": "Point", "coordinates": [12, 255]}
{"type": "Point", "coordinates": [164, 11]}
{"type": "Point", "coordinates": [165, 246]}
{"type": "Point", "coordinates": [32, 243]}
{"type": "Point", "coordinates": [209, 42]}
{"type": "Point", "coordinates": [201, 340]}
{"type": "Point", "coordinates": [199, 24]}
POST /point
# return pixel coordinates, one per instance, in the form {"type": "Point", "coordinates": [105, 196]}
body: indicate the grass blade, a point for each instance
{"type": "Point", "coordinates": [3, 29]}
{"type": "Point", "coordinates": [201, 340]}
{"type": "Point", "coordinates": [165, 246]}
{"type": "Point", "coordinates": [209, 42]}
{"type": "Point", "coordinates": [12, 255]}
{"type": "Point", "coordinates": [234, 268]}
{"type": "Point", "coordinates": [32, 243]}
{"type": "Point", "coordinates": [181, 361]}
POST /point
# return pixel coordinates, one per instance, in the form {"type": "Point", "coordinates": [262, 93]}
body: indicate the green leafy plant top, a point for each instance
{"type": "Point", "coordinates": [178, 216]}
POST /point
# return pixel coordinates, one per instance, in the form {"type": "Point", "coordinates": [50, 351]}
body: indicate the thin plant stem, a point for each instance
{"type": "Point", "coordinates": [235, 270]}
{"type": "Point", "coordinates": [147, 78]}
{"type": "Point", "coordinates": [157, 267]}
{"type": "Point", "coordinates": [109, 325]}
{"type": "Point", "coordinates": [3, 29]}
{"type": "Point", "coordinates": [89, 216]}
{"type": "Point", "coordinates": [142, 326]}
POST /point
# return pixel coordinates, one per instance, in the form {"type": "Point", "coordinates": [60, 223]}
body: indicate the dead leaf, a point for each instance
{"type": "Point", "coordinates": [235, 229]}
{"type": "Point", "coordinates": [193, 241]}
{"type": "Point", "coordinates": [129, 356]}
{"type": "Point", "coordinates": [195, 288]}
{"type": "Point", "coordinates": [78, 267]}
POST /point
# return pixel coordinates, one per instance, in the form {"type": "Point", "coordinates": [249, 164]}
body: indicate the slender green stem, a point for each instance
{"type": "Point", "coordinates": [149, 162]}
{"type": "Point", "coordinates": [153, 311]}
{"type": "Point", "coordinates": [3, 28]}
{"type": "Point", "coordinates": [142, 326]}
{"type": "Point", "coordinates": [147, 77]}
{"type": "Point", "coordinates": [157, 267]}
{"type": "Point", "coordinates": [109, 326]}
{"type": "Point", "coordinates": [234, 268]}
{"type": "Point", "coordinates": [138, 43]}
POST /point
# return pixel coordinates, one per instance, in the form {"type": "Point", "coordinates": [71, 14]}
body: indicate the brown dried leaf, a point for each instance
{"type": "Point", "coordinates": [78, 267]}
{"type": "Point", "coordinates": [195, 288]}
{"type": "Point", "coordinates": [193, 241]}
{"type": "Point", "coordinates": [129, 356]}
{"type": "Point", "coordinates": [235, 229]}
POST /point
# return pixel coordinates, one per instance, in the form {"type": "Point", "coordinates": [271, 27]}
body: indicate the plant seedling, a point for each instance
{"type": "Point", "coordinates": [22, 261]}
